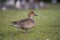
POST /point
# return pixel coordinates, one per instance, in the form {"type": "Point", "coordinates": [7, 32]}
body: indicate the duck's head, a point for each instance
{"type": "Point", "coordinates": [31, 14]}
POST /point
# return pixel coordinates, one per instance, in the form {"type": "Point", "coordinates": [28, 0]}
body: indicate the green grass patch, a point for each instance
{"type": "Point", "coordinates": [47, 24]}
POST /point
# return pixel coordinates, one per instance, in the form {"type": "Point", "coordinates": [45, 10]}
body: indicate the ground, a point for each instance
{"type": "Point", "coordinates": [47, 24]}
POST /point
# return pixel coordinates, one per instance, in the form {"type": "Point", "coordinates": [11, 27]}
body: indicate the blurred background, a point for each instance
{"type": "Point", "coordinates": [26, 4]}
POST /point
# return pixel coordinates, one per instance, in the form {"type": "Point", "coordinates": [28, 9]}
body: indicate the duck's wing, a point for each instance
{"type": "Point", "coordinates": [27, 23]}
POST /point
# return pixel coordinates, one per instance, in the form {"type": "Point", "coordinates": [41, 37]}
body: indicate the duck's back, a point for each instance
{"type": "Point", "coordinates": [27, 23]}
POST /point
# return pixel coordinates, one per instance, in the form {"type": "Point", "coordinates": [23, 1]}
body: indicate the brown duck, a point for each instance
{"type": "Point", "coordinates": [25, 23]}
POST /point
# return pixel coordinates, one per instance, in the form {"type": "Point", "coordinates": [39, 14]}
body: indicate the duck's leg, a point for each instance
{"type": "Point", "coordinates": [26, 31]}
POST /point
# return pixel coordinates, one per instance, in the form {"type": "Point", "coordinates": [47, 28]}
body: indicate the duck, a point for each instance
{"type": "Point", "coordinates": [26, 23]}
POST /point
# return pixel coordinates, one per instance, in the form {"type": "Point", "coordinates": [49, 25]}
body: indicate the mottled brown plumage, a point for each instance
{"type": "Point", "coordinates": [25, 23]}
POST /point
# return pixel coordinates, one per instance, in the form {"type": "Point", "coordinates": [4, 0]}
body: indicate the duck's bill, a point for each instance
{"type": "Point", "coordinates": [36, 15]}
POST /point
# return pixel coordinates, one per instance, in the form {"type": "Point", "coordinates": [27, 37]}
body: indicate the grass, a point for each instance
{"type": "Point", "coordinates": [47, 24]}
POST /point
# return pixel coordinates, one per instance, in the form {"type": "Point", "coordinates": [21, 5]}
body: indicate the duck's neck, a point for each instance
{"type": "Point", "coordinates": [30, 17]}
